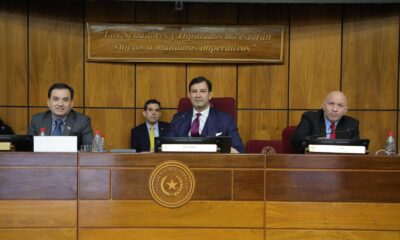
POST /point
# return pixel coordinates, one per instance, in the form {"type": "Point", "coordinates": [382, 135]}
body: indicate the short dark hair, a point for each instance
{"type": "Point", "coordinates": [200, 80]}
{"type": "Point", "coordinates": [151, 101]}
{"type": "Point", "coordinates": [61, 86]}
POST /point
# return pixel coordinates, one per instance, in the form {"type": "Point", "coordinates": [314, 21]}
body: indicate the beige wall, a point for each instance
{"type": "Point", "coordinates": [354, 48]}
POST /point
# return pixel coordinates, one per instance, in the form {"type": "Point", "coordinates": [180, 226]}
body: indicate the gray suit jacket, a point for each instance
{"type": "Point", "coordinates": [76, 124]}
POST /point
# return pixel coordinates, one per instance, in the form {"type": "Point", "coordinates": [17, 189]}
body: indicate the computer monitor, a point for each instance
{"type": "Point", "coordinates": [223, 143]}
{"type": "Point", "coordinates": [344, 142]}
{"type": "Point", "coordinates": [22, 143]}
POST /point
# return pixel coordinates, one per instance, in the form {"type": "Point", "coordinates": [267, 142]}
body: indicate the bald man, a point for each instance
{"type": "Point", "coordinates": [329, 122]}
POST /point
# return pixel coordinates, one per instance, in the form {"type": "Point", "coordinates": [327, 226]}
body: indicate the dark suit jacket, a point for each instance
{"type": "Point", "coordinates": [5, 129]}
{"type": "Point", "coordinates": [140, 139]}
{"type": "Point", "coordinates": [312, 125]}
{"type": "Point", "coordinates": [217, 122]}
{"type": "Point", "coordinates": [76, 124]}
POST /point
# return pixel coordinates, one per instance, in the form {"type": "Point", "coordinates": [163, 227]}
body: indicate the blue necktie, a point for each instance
{"type": "Point", "coordinates": [57, 129]}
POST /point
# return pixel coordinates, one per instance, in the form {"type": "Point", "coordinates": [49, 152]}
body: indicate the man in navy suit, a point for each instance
{"type": "Point", "coordinates": [209, 121]}
{"type": "Point", "coordinates": [140, 135]}
{"type": "Point", "coordinates": [330, 120]}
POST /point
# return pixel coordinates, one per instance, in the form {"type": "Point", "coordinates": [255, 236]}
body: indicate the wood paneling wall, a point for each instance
{"type": "Point", "coordinates": [354, 48]}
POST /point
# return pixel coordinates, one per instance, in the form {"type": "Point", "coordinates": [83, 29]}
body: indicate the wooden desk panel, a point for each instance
{"type": "Point", "coordinates": [38, 183]}
{"type": "Point", "coordinates": [134, 214]}
{"type": "Point", "coordinates": [150, 160]}
{"type": "Point", "coordinates": [246, 196]}
{"type": "Point", "coordinates": [332, 178]}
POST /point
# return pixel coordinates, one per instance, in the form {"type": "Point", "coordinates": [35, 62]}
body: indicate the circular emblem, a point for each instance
{"type": "Point", "coordinates": [171, 184]}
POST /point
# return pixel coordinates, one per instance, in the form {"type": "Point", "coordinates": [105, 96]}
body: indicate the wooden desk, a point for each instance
{"type": "Point", "coordinates": [251, 196]}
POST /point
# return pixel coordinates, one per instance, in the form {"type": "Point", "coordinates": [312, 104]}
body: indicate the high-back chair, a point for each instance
{"type": "Point", "coordinates": [273, 146]}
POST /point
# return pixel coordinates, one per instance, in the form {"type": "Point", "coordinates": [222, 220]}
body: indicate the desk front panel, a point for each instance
{"type": "Point", "coordinates": [249, 196]}
{"type": "Point", "coordinates": [38, 196]}
{"type": "Point", "coordinates": [332, 197]}
{"type": "Point", "coordinates": [228, 201]}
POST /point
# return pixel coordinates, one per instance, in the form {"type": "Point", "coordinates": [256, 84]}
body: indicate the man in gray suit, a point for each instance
{"type": "Point", "coordinates": [60, 119]}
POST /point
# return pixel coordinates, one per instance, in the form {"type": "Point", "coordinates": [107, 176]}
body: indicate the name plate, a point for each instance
{"type": "Point", "coordinates": [189, 148]}
{"type": "Point", "coordinates": [319, 148]}
{"type": "Point", "coordinates": [5, 146]}
{"type": "Point", "coordinates": [55, 143]}
{"type": "Point", "coordinates": [185, 43]}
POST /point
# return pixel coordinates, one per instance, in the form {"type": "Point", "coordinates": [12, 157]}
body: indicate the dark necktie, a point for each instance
{"type": "Point", "coordinates": [57, 129]}
{"type": "Point", "coordinates": [333, 130]}
{"type": "Point", "coordinates": [195, 129]}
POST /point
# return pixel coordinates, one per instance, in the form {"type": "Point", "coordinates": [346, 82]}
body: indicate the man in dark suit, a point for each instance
{"type": "Point", "coordinates": [203, 120]}
{"type": "Point", "coordinates": [60, 119]}
{"type": "Point", "coordinates": [5, 129]}
{"type": "Point", "coordinates": [142, 136]}
{"type": "Point", "coordinates": [329, 122]}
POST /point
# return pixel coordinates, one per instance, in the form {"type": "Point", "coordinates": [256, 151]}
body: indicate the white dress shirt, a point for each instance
{"type": "Point", "coordinates": [202, 118]}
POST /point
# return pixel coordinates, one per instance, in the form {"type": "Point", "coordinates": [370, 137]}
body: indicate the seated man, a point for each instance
{"type": "Point", "coordinates": [142, 136]}
{"type": "Point", "coordinates": [203, 120]}
{"type": "Point", "coordinates": [329, 122]}
{"type": "Point", "coordinates": [5, 129]}
{"type": "Point", "coordinates": [60, 119]}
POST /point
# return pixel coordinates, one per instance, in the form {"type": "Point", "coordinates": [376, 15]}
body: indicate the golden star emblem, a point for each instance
{"type": "Point", "coordinates": [172, 184]}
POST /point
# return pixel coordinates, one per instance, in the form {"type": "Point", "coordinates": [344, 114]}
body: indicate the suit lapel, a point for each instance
{"type": "Point", "coordinates": [209, 126]}
{"type": "Point", "coordinates": [161, 129]}
{"type": "Point", "coordinates": [322, 126]}
{"type": "Point", "coordinates": [341, 128]}
{"type": "Point", "coordinates": [48, 124]}
{"type": "Point", "coordinates": [146, 140]}
{"type": "Point", "coordinates": [69, 123]}
{"type": "Point", "coordinates": [187, 123]}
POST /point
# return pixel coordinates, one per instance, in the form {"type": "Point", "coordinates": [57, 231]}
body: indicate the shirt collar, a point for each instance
{"type": "Point", "coordinates": [155, 125]}
{"type": "Point", "coordinates": [328, 123]}
{"type": "Point", "coordinates": [54, 118]}
{"type": "Point", "coordinates": [204, 113]}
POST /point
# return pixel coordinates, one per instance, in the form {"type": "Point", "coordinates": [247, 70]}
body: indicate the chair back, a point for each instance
{"type": "Point", "coordinates": [287, 135]}
{"type": "Point", "coordinates": [223, 104]}
{"type": "Point", "coordinates": [257, 146]}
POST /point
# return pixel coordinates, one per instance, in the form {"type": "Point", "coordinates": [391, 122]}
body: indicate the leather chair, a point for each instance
{"type": "Point", "coordinates": [273, 146]}
{"type": "Point", "coordinates": [223, 104]}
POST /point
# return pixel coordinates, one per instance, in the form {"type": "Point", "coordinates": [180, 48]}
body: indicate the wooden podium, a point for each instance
{"type": "Point", "coordinates": [106, 196]}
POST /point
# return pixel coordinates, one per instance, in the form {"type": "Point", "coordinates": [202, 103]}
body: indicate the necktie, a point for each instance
{"type": "Point", "coordinates": [333, 130]}
{"type": "Point", "coordinates": [57, 129]}
{"type": "Point", "coordinates": [194, 131]}
{"type": "Point", "coordinates": [151, 138]}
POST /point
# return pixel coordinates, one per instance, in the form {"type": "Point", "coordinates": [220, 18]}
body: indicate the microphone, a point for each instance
{"type": "Point", "coordinates": [176, 123]}
{"type": "Point", "coordinates": [304, 141]}
{"type": "Point", "coordinates": [324, 134]}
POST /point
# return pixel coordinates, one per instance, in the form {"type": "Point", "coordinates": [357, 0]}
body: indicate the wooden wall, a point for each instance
{"type": "Point", "coordinates": [354, 48]}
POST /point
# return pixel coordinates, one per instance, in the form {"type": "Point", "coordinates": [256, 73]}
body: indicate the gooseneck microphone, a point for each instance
{"type": "Point", "coordinates": [305, 140]}
{"type": "Point", "coordinates": [324, 134]}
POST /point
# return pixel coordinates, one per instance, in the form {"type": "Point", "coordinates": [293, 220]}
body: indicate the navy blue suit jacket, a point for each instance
{"type": "Point", "coordinates": [217, 122]}
{"type": "Point", "coordinates": [140, 139]}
